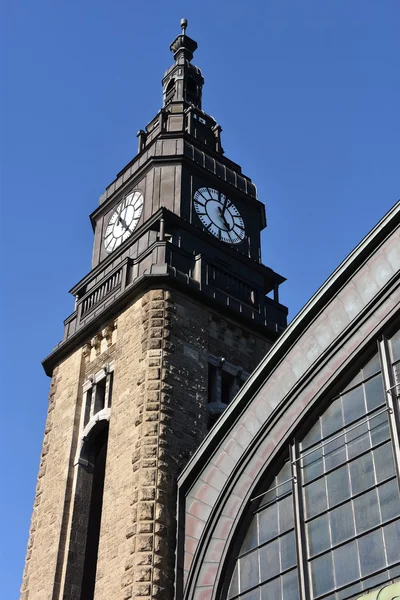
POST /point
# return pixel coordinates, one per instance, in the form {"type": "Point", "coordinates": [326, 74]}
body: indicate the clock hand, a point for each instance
{"type": "Point", "coordinates": [123, 222]}
{"type": "Point", "coordinates": [224, 206]}
{"type": "Point", "coordinates": [221, 214]}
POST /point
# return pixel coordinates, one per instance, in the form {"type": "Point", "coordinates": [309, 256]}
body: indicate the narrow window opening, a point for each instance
{"type": "Point", "coordinates": [99, 402]}
{"type": "Point", "coordinates": [228, 387]}
{"type": "Point", "coordinates": [95, 510]}
{"type": "Point", "coordinates": [110, 388]}
{"type": "Point", "coordinates": [191, 86]}
{"type": "Point", "coordinates": [88, 400]}
{"type": "Point", "coordinates": [191, 91]}
{"type": "Point", "coordinates": [170, 91]}
{"type": "Point", "coordinates": [223, 385]}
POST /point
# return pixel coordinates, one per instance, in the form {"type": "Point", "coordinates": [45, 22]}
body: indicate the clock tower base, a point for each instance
{"type": "Point", "coordinates": [175, 362]}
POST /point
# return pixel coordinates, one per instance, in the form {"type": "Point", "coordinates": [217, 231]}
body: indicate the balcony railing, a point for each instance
{"type": "Point", "coordinates": [167, 256]}
{"type": "Point", "coordinates": [228, 283]}
{"type": "Point", "coordinates": [92, 299]}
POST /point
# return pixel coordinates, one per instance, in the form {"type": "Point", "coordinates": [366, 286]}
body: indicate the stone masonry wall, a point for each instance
{"type": "Point", "coordinates": [160, 346]}
{"type": "Point", "coordinates": [241, 347]}
{"type": "Point", "coordinates": [159, 417]}
{"type": "Point", "coordinates": [54, 481]}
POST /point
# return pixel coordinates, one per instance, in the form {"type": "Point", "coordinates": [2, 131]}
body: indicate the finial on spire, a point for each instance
{"type": "Point", "coordinates": [184, 24]}
{"type": "Point", "coordinates": [183, 45]}
{"type": "Point", "coordinates": [183, 81]}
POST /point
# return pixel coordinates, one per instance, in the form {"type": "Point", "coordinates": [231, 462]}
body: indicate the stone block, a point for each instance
{"type": "Point", "coordinates": [144, 543]}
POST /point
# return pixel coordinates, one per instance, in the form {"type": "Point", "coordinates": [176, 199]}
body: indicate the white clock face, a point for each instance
{"type": "Point", "coordinates": [123, 220]}
{"type": "Point", "coordinates": [219, 215]}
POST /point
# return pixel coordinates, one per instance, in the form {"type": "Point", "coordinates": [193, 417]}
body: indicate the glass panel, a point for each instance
{"type": "Point", "coordinates": [353, 405]}
{"type": "Point", "coordinates": [394, 572]}
{"type": "Point", "coordinates": [273, 491]}
{"type": "Point", "coordinates": [249, 575]}
{"type": "Point", "coordinates": [389, 500]}
{"type": "Point", "coordinates": [253, 595]}
{"type": "Point", "coordinates": [285, 474]}
{"type": "Point", "coordinates": [358, 440]}
{"type": "Point", "coordinates": [286, 516]}
{"type": "Point", "coordinates": [332, 418]}
{"type": "Point", "coordinates": [392, 537]}
{"type": "Point", "coordinates": [313, 436]}
{"type": "Point", "coordinates": [334, 453]}
{"type": "Point", "coordinates": [348, 592]}
{"type": "Point", "coordinates": [250, 541]}
{"type": "Point", "coordinates": [269, 560]}
{"type": "Point", "coordinates": [315, 497]}
{"type": "Point", "coordinates": [342, 523]}
{"type": "Point", "coordinates": [290, 586]}
{"type": "Point", "coordinates": [338, 485]}
{"type": "Point", "coordinates": [318, 535]}
{"type": "Point", "coordinates": [374, 581]}
{"type": "Point", "coordinates": [395, 346]}
{"type": "Point", "coordinates": [345, 560]}
{"type": "Point", "coordinates": [357, 379]}
{"type": "Point", "coordinates": [272, 590]}
{"type": "Point", "coordinates": [372, 367]}
{"type": "Point", "coordinates": [288, 551]}
{"type": "Point", "coordinates": [268, 523]}
{"type": "Point", "coordinates": [384, 463]}
{"type": "Point", "coordinates": [374, 392]}
{"type": "Point", "coordinates": [366, 511]}
{"type": "Point", "coordinates": [322, 574]}
{"type": "Point", "coordinates": [269, 496]}
{"type": "Point", "coordinates": [312, 465]}
{"type": "Point", "coordinates": [234, 585]}
{"type": "Point", "coordinates": [362, 473]}
{"type": "Point", "coordinates": [372, 555]}
{"type": "Point", "coordinates": [379, 428]}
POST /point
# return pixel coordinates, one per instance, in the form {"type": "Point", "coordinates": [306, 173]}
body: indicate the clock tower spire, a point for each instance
{"type": "Point", "coordinates": [183, 82]}
{"type": "Point", "coordinates": [174, 314]}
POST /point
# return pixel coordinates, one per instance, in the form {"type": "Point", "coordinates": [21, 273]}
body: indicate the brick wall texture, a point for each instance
{"type": "Point", "coordinates": [158, 418]}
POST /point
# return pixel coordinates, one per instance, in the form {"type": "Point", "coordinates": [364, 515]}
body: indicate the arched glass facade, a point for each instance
{"type": "Point", "coordinates": [328, 526]}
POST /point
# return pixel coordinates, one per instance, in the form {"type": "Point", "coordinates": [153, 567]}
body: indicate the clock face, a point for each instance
{"type": "Point", "coordinates": [123, 220]}
{"type": "Point", "coordinates": [219, 215]}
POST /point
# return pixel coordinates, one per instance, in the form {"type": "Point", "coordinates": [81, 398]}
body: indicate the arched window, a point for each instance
{"type": "Point", "coordinates": [99, 453]}
{"type": "Point", "coordinates": [90, 466]}
{"type": "Point", "coordinates": [326, 524]}
{"type": "Point", "coordinates": [169, 91]}
{"type": "Point", "coordinates": [191, 91]}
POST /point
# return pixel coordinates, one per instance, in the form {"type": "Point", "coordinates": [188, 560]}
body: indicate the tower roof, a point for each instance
{"type": "Point", "coordinates": [183, 81]}
{"type": "Point", "coordinates": [183, 45]}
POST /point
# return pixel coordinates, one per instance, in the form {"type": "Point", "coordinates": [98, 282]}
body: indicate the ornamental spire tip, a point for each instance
{"type": "Point", "coordinates": [184, 24]}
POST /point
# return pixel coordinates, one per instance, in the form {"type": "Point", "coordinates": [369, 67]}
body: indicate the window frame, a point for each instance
{"type": "Point", "coordinates": [379, 345]}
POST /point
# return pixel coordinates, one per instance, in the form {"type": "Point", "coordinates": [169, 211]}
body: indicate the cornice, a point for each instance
{"type": "Point", "coordinates": [180, 222]}
{"type": "Point", "coordinates": [142, 284]}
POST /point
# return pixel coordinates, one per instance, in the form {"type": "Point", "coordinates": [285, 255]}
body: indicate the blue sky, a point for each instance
{"type": "Point", "coordinates": [307, 94]}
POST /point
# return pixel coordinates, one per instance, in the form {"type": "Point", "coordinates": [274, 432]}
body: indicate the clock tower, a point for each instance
{"type": "Point", "coordinates": [175, 313]}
